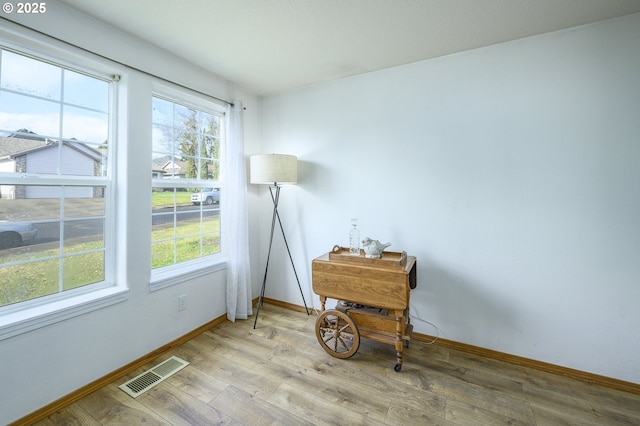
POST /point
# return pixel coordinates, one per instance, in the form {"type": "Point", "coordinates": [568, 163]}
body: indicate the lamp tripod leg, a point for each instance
{"type": "Point", "coordinates": [292, 265]}
{"type": "Point", "coordinates": [275, 200]}
{"type": "Point", "coordinates": [266, 268]}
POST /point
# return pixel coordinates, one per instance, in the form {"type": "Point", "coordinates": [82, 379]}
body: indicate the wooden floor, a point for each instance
{"type": "Point", "coordinates": [278, 374]}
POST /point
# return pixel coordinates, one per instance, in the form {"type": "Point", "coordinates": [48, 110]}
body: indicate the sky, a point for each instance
{"type": "Point", "coordinates": [37, 105]}
{"type": "Point", "coordinates": [35, 94]}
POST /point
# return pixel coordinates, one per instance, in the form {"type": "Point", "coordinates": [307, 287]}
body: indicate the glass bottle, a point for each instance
{"type": "Point", "coordinates": [354, 238]}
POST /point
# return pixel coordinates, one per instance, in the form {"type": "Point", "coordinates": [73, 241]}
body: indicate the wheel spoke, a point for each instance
{"type": "Point", "coordinates": [337, 334]}
{"type": "Point", "coordinates": [346, 327]}
{"type": "Point", "coordinates": [343, 343]}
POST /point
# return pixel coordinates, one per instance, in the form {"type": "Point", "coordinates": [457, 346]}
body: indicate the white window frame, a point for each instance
{"type": "Point", "coordinates": [33, 314]}
{"type": "Point", "coordinates": [185, 271]}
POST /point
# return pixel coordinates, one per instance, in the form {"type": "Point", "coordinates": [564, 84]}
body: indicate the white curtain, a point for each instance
{"type": "Point", "coordinates": [235, 222]}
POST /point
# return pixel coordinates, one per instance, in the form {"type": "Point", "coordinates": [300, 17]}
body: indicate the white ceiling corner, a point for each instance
{"type": "Point", "coordinates": [271, 46]}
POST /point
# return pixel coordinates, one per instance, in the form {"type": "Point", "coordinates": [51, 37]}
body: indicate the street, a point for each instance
{"type": "Point", "coordinates": [89, 229]}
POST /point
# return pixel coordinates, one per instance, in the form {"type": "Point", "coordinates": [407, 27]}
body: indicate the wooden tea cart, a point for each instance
{"type": "Point", "coordinates": [373, 300]}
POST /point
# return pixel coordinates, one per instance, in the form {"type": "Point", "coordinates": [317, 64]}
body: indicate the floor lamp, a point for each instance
{"type": "Point", "coordinates": [275, 170]}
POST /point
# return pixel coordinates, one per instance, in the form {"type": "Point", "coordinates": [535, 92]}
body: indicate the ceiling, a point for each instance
{"type": "Point", "coordinates": [271, 46]}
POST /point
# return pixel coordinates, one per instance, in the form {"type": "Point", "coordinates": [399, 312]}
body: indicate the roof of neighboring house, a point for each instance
{"type": "Point", "coordinates": [173, 165]}
{"type": "Point", "coordinates": [26, 134]}
{"type": "Point", "coordinates": [23, 142]}
{"type": "Point", "coordinates": [166, 164]}
{"type": "Point", "coordinates": [12, 146]}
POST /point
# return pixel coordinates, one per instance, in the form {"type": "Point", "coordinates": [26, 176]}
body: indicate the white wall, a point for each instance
{"type": "Point", "coordinates": [46, 364]}
{"type": "Point", "coordinates": [511, 172]}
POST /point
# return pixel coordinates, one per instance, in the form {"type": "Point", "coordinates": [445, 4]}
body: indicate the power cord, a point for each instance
{"type": "Point", "coordinates": [437, 336]}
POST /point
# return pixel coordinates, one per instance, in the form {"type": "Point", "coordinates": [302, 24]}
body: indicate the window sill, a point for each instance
{"type": "Point", "coordinates": [186, 271]}
{"type": "Point", "coordinates": [22, 321]}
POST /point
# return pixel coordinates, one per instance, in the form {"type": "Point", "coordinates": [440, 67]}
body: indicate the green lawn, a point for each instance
{"type": "Point", "coordinates": [41, 276]}
{"type": "Point", "coordinates": [165, 199]}
{"type": "Point", "coordinates": [188, 246]}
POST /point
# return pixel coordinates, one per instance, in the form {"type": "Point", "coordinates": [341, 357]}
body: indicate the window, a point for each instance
{"type": "Point", "coordinates": [55, 180]}
{"type": "Point", "coordinates": [186, 183]}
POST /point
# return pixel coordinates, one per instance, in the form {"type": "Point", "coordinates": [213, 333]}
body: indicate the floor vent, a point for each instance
{"type": "Point", "coordinates": [145, 381]}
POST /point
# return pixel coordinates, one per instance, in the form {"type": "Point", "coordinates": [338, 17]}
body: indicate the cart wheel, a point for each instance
{"type": "Point", "coordinates": [397, 367]}
{"type": "Point", "coordinates": [337, 334]}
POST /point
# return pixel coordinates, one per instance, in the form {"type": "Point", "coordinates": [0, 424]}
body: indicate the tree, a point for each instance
{"type": "Point", "coordinates": [198, 143]}
{"type": "Point", "coordinates": [188, 142]}
{"type": "Point", "coordinates": [211, 139]}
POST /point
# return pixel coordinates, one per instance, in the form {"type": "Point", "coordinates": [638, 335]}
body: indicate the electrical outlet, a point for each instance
{"type": "Point", "coordinates": [182, 302]}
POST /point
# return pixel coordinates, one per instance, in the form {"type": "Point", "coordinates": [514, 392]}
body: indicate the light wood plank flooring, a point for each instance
{"type": "Point", "coordinates": [278, 374]}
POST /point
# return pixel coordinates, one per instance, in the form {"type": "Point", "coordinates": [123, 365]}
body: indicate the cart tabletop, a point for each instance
{"type": "Point", "coordinates": [383, 283]}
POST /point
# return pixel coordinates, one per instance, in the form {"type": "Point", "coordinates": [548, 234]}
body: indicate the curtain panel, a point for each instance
{"type": "Point", "coordinates": [235, 219]}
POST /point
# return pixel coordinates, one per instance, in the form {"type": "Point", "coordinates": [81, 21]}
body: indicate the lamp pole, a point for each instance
{"type": "Point", "coordinates": [276, 198]}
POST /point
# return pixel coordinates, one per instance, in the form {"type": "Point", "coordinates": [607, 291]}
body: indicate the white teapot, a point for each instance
{"type": "Point", "coordinates": [373, 248]}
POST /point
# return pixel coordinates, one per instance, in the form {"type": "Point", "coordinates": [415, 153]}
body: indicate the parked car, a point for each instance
{"type": "Point", "coordinates": [14, 234]}
{"type": "Point", "coordinates": [206, 196]}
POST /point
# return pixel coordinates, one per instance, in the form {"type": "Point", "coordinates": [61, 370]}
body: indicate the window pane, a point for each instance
{"type": "Point", "coordinates": [212, 169]}
{"type": "Point", "coordinates": [85, 125]}
{"type": "Point", "coordinates": [39, 118]}
{"type": "Point", "coordinates": [30, 230]}
{"type": "Point", "coordinates": [186, 149]}
{"type": "Point", "coordinates": [168, 167]}
{"type": "Point", "coordinates": [48, 238]}
{"type": "Point", "coordinates": [162, 227]}
{"type": "Point", "coordinates": [42, 203]}
{"type": "Point", "coordinates": [162, 198]}
{"type": "Point", "coordinates": [188, 249]}
{"type": "Point", "coordinates": [45, 156]}
{"type": "Point", "coordinates": [81, 160]}
{"type": "Point", "coordinates": [162, 112]}
{"type": "Point", "coordinates": [30, 76]}
{"type": "Point", "coordinates": [212, 144]}
{"type": "Point", "coordinates": [183, 229]}
{"type": "Point", "coordinates": [188, 223]}
{"type": "Point", "coordinates": [186, 145]}
{"type": "Point", "coordinates": [15, 234]}
{"type": "Point", "coordinates": [29, 281]}
{"type": "Point", "coordinates": [184, 117]}
{"type": "Point", "coordinates": [98, 153]}
{"type": "Point", "coordinates": [53, 122]}
{"type": "Point", "coordinates": [211, 234]}
{"type": "Point", "coordinates": [210, 123]}
{"type": "Point", "coordinates": [162, 254]}
{"type": "Point", "coordinates": [78, 86]}
{"type": "Point", "coordinates": [35, 120]}
{"type": "Point", "coordinates": [83, 235]}
{"type": "Point", "coordinates": [83, 269]}
{"type": "Point", "coordinates": [84, 206]}
{"type": "Point", "coordinates": [162, 138]}
{"type": "Point", "coordinates": [188, 167]}
{"type": "Point", "coordinates": [211, 245]}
